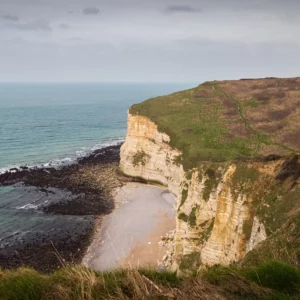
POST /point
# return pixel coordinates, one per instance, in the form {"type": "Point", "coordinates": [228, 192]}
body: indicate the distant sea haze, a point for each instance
{"type": "Point", "coordinates": [42, 124]}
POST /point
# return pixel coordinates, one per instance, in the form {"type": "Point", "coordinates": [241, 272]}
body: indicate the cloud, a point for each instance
{"type": "Point", "coordinates": [229, 39]}
{"type": "Point", "coordinates": [92, 10]}
{"type": "Point", "coordinates": [64, 26]}
{"type": "Point", "coordinates": [181, 8]}
{"type": "Point", "coordinates": [36, 25]}
{"type": "Point", "coordinates": [10, 17]}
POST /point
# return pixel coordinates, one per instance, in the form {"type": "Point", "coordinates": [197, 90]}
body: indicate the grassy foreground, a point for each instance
{"type": "Point", "coordinates": [271, 280]}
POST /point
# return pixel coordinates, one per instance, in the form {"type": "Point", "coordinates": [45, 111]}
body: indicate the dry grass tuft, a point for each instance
{"type": "Point", "coordinates": [80, 283]}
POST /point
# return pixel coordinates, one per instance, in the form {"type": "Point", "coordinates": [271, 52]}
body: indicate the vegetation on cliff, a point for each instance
{"type": "Point", "coordinates": [224, 120]}
{"type": "Point", "coordinates": [139, 158]}
{"type": "Point", "coordinates": [247, 127]}
{"type": "Point", "coordinates": [272, 280]}
{"type": "Point", "coordinates": [253, 124]}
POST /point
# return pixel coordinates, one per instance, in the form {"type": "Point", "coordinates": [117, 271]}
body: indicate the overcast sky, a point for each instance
{"type": "Point", "coordinates": [148, 40]}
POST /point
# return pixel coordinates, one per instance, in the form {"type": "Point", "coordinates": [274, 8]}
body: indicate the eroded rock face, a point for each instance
{"type": "Point", "coordinates": [146, 154]}
{"type": "Point", "coordinates": [211, 215]}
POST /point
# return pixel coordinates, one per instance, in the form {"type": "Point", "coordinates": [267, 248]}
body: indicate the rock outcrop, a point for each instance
{"type": "Point", "coordinates": [216, 223]}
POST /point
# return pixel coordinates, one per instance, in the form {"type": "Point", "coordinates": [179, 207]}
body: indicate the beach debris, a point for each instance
{"type": "Point", "coordinates": [167, 243]}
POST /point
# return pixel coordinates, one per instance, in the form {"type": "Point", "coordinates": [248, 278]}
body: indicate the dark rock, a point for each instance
{"type": "Point", "coordinates": [44, 253]}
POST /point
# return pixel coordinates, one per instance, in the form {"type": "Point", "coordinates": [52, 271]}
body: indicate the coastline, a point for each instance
{"type": "Point", "coordinates": [63, 161]}
{"type": "Point", "coordinates": [90, 182]}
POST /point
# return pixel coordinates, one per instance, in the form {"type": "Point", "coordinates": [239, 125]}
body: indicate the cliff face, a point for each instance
{"type": "Point", "coordinates": [229, 151]}
{"type": "Point", "coordinates": [216, 223]}
{"type": "Point", "coordinates": [146, 154]}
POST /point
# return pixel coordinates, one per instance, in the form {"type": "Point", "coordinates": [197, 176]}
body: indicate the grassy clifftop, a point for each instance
{"type": "Point", "coordinates": [224, 120]}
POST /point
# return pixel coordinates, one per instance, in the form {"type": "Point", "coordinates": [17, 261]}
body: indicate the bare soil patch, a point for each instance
{"type": "Point", "coordinates": [238, 129]}
{"type": "Point", "coordinates": [270, 127]}
{"type": "Point", "coordinates": [292, 139]}
{"type": "Point", "coordinates": [278, 115]}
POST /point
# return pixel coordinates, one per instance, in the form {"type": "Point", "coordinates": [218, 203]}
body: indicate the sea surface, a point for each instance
{"type": "Point", "coordinates": [53, 124]}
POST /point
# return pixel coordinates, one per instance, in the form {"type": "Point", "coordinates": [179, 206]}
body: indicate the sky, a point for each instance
{"type": "Point", "coordinates": [148, 40]}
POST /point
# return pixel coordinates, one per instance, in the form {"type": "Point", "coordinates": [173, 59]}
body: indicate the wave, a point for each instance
{"type": "Point", "coordinates": [65, 161]}
{"type": "Point", "coordinates": [28, 206]}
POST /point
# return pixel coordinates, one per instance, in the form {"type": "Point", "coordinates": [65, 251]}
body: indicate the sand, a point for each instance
{"type": "Point", "coordinates": [129, 236]}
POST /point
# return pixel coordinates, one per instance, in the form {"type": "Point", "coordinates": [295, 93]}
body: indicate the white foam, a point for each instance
{"type": "Point", "coordinates": [61, 162]}
{"type": "Point", "coordinates": [27, 206]}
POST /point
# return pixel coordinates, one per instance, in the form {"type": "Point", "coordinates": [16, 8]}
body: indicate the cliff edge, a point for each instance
{"type": "Point", "coordinates": [229, 152]}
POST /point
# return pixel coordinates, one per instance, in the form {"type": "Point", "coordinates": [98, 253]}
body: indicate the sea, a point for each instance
{"type": "Point", "coordinates": [53, 124]}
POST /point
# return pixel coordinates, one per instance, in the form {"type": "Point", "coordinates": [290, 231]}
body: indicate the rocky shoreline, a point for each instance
{"type": "Point", "coordinates": [91, 181]}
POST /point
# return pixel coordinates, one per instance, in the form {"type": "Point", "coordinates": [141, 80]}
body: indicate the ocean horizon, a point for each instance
{"type": "Point", "coordinates": [51, 124]}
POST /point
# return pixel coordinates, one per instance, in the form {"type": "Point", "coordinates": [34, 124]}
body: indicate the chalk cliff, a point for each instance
{"type": "Point", "coordinates": [210, 220]}
{"type": "Point", "coordinates": [229, 152]}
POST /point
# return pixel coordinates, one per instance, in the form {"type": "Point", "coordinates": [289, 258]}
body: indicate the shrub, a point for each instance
{"type": "Point", "coordinates": [184, 195]}
{"type": "Point", "coordinates": [183, 217]}
{"type": "Point", "coordinates": [192, 217]}
{"type": "Point", "coordinates": [24, 284]}
{"type": "Point", "coordinates": [190, 261]}
{"type": "Point", "coordinates": [139, 158]}
{"type": "Point", "coordinates": [276, 275]}
{"type": "Point", "coordinates": [216, 274]}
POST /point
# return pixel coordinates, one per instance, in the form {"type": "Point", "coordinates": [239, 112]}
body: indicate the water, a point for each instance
{"type": "Point", "coordinates": [21, 221]}
{"type": "Point", "coordinates": [55, 123]}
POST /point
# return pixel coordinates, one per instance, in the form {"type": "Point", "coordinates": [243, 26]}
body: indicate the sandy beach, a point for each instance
{"type": "Point", "coordinates": [129, 236]}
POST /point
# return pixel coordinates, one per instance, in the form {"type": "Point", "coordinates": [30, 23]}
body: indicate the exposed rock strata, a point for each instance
{"type": "Point", "coordinates": [213, 217]}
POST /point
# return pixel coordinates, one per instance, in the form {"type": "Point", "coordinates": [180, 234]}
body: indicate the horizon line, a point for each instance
{"type": "Point", "coordinates": [100, 82]}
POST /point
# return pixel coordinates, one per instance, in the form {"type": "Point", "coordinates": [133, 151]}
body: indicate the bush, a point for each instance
{"type": "Point", "coordinates": [24, 284]}
{"type": "Point", "coordinates": [217, 274]}
{"type": "Point", "coordinates": [277, 276]}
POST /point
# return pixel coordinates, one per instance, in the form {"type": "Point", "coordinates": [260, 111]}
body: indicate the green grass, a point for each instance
{"type": "Point", "coordinates": [167, 278]}
{"type": "Point", "coordinates": [190, 262]}
{"type": "Point", "coordinates": [277, 276]}
{"type": "Point", "coordinates": [282, 279]}
{"type": "Point", "coordinates": [278, 209]}
{"type": "Point", "coordinates": [283, 244]}
{"type": "Point", "coordinates": [244, 178]}
{"type": "Point", "coordinates": [184, 112]}
{"type": "Point", "coordinates": [24, 284]}
{"type": "Point", "coordinates": [271, 280]}
{"type": "Point", "coordinates": [281, 203]}
{"type": "Point", "coordinates": [250, 103]}
{"type": "Point", "coordinates": [198, 126]}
